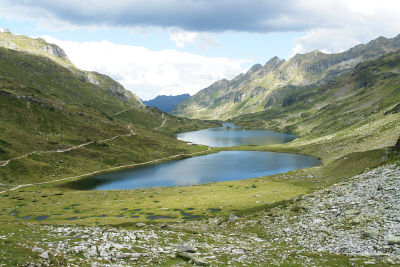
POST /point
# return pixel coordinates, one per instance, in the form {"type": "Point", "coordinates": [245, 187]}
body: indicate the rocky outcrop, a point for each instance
{"type": "Point", "coordinates": [34, 46]}
{"type": "Point", "coordinates": [397, 146]}
{"type": "Point", "coordinates": [52, 50]}
{"type": "Point", "coordinates": [111, 86]}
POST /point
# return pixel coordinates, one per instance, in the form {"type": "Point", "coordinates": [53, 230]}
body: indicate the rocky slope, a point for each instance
{"type": "Point", "coordinates": [260, 87]}
{"type": "Point", "coordinates": [352, 223]}
{"type": "Point", "coordinates": [166, 103]}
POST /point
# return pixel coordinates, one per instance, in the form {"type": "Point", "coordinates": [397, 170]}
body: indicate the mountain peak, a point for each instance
{"type": "Point", "coordinates": [253, 69]}
{"type": "Point", "coordinates": [258, 88]}
{"type": "Point", "coordinates": [33, 46]}
{"type": "Point", "coordinates": [273, 63]}
{"type": "Point", "coordinates": [40, 47]}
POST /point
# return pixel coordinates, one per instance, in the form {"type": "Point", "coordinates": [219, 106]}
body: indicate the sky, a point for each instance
{"type": "Point", "coordinates": [172, 47]}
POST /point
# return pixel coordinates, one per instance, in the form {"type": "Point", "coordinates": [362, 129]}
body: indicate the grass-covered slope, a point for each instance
{"type": "Point", "coordinates": [351, 123]}
{"type": "Point", "coordinates": [46, 109]}
{"type": "Point", "coordinates": [357, 111]}
{"type": "Point", "coordinates": [260, 88]}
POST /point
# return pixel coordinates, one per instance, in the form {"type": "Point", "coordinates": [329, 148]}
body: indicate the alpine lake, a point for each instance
{"type": "Point", "coordinates": [216, 167]}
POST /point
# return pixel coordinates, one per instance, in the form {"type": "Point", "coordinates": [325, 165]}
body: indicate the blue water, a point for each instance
{"type": "Point", "coordinates": [221, 166]}
{"type": "Point", "coordinates": [230, 135]}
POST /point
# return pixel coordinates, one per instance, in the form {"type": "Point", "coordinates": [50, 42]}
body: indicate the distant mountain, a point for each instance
{"type": "Point", "coordinates": [260, 87]}
{"type": "Point", "coordinates": [166, 102]}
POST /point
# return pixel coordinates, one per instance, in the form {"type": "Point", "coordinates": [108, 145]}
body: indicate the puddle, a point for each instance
{"type": "Point", "coordinates": [119, 216]}
{"type": "Point", "coordinates": [186, 213]}
{"type": "Point", "coordinates": [72, 218]}
{"type": "Point", "coordinates": [27, 217]}
{"type": "Point", "coordinates": [193, 217]}
{"type": "Point", "coordinates": [102, 216]}
{"type": "Point", "coordinates": [134, 216]}
{"type": "Point", "coordinates": [41, 218]}
{"type": "Point", "coordinates": [156, 217]}
{"type": "Point", "coordinates": [214, 210]}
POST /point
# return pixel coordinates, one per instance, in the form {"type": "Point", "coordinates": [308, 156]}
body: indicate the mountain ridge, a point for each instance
{"type": "Point", "coordinates": [254, 90]}
{"type": "Point", "coordinates": [166, 103]}
{"type": "Point", "coordinates": [40, 47]}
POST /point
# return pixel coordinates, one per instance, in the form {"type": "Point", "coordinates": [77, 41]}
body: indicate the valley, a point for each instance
{"type": "Point", "coordinates": [60, 124]}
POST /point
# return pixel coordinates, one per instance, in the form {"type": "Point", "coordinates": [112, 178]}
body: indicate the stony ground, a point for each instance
{"type": "Point", "coordinates": [356, 222]}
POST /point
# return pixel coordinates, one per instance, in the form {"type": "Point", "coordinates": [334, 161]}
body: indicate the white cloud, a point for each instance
{"type": "Point", "coordinates": [201, 40]}
{"type": "Point", "coordinates": [181, 38]}
{"type": "Point", "coordinates": [149, 73]}
{"type": "Point", "coordinates": [346, 23]}
{"type": "Point", "coordinates": [326, 40]}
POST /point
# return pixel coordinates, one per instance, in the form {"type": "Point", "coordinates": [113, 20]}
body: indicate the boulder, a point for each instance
{"type": "Point", "coordinates": [186, 248]}
{"type": "Point", "coordinates": [397, 146]}
{"type": "Point", "coordinates": [232, 218]}
{"type": "Point", "coordinates": [44, 255]}
{"type": "Point", "coordinates": [371, 234]}
{"type": "Point", "coordinates": [140, 225]}
{"type": "Point", "coordinates": [192, 259]}
{"type": "Point", "coordinates": [394, 240]}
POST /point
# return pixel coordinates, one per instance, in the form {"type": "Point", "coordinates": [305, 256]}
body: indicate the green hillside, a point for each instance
{"type": "Point", "coordinates": [58, 121]}
{"type": "Point", "coordinates": [357, 111]}
{"type": "Point", "coordinates": [260, 88]}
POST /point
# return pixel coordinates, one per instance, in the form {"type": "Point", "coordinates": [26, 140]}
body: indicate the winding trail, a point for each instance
{"type": "Point", "coordinates": [6, 162]}
{"type": "Point", "coordinates": [162, 124]}
{"type": "Point", "coordinates": [108, 169]}
{"type": "Point", "coordinates": [122, 111]}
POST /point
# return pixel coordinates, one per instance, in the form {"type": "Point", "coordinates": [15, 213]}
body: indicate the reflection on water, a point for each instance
{"type": "Point", "coordinates": [222, 166]}
{"type": "Point", "coordinates": [230, 135]}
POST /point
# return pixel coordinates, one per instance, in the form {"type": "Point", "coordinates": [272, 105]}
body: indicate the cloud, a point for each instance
{"type": "Point", "coordinates": [350, 23]}
{"type": "Point", "coordinates": [181, 38]}
{"type": "Point", "coordinates": [201, 40]}
{"type": "Point", "coordinates": [333, 25]}
{"type": "Point", "coordinates": [328, 41]}
{"type": "Point", "coordinates": [149, 73]}
{"type": "Point", "coordinates": [198, 15]}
